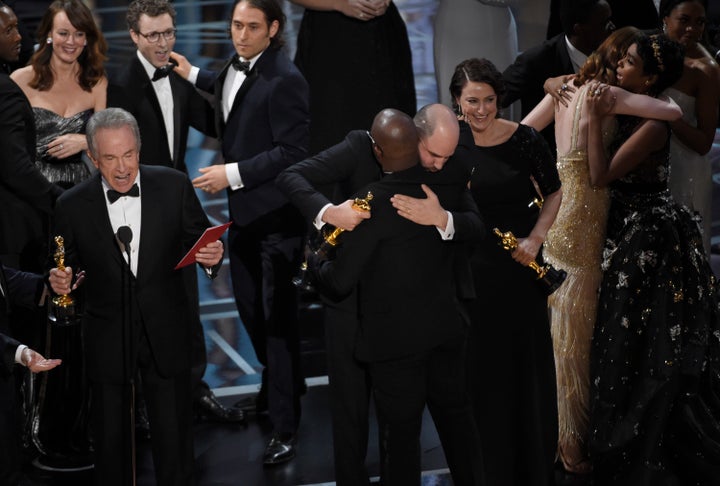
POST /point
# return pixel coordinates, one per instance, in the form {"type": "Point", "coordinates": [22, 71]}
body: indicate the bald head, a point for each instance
{"type": "Point", "coordinates": [396, 140]}
{"type": "Point", "coordinates": [439, 132]}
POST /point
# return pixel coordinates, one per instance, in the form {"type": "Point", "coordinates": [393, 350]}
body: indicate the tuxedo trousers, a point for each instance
{"type": "Point", "coordinates": [401, 389]}
{"type": "Point", "coordinates": [264, 258]}
{"type": "Point", "coordinates": [349, 384]}
{"type": "Point", "coordinates": [169, 407]}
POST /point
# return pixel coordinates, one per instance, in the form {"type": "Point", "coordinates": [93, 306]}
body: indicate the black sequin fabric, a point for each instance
{"type": "Point", "coordinates": [654, 360]}
{"type": "Point", "coordinates": [49, 125]}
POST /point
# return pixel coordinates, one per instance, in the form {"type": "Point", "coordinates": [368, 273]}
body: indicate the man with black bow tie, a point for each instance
{"type": "Point", "coordinates": [160, 207]}
{"type": "Point", "coordinates": [166, 106]}
{"type": "Point", "coordinates": [263, 122]}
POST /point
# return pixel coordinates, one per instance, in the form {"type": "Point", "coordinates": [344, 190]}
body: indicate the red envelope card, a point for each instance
{"type": "Point", "coordinates": [211, 234]}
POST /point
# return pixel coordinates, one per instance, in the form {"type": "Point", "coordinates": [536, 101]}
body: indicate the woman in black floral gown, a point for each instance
{"type": "Point", "coordinates": [654, 359]}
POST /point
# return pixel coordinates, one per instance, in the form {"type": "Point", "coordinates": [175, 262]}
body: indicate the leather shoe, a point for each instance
{"type": "Point", "coordinates": [255, 403]}
{"type": "Point", "coordinates": [209, 407]}
{"type": "Point", "coordinates": [280, 449]}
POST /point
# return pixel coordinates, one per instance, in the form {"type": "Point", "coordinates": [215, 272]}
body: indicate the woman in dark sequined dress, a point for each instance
{"type": "Point", "coordinates": [65, 83]}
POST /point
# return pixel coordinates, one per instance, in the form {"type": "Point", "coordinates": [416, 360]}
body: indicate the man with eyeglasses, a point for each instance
{"type": "Point", "coordinates": [165, 106]}
{"type": "Point", "coordinates": [322, 187]}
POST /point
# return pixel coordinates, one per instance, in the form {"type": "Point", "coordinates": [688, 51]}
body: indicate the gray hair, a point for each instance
{"type": "Point", "coordinates": [110, 118]}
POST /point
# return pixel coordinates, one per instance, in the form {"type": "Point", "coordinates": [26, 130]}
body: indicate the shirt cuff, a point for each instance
{"type": "Point", "coordinates": [193, 75]}
{"type": "Point", "coordinates": [232, 172]}
{"type": "Point", "coordinates": [318, 222]}
{"type": "Point", "coordinates": [449, 232]}
{"type": "Point", "coordinates": [18, 354]}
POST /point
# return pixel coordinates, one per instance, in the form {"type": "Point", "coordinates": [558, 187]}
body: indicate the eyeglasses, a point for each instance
{"type": "Point", "coordinates": [375, 144]}
{"type": "Point", "coordinates": [154, 37]}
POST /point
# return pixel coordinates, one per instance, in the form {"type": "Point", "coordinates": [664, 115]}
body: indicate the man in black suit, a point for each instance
{"type": "Point", "coordinates": [262, 117]}
{"type": "Point", "coordinates": [586, 23]}
{"type": "Point", "coordinates": [16, 289]}
{"type": "Point", "coordinates": [321, 187]}
{"type": "Point", "coordinates": [26, 196]}
{"type": "Point", "coordinates": [136, 317]}
{"type": "Point", "coordinates": [165, 106]}
{"type": "Point", "coordinates": [412, 331]}
{"type": "Point", "coordinates": [642, 14]}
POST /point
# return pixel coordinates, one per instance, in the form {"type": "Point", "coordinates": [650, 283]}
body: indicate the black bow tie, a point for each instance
{"type": "Point", "coordinates": [239, 65]}
{"type": "Point", "coordinates": [114, 195]}
{"type": "Point", "coordinates": [161, 72]}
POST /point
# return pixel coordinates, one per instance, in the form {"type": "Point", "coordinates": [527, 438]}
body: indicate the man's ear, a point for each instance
{"type": "Point", "coordinates": [274, 27]}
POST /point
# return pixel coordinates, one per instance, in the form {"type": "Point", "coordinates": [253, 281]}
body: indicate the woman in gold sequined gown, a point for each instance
{"type": "Point", "coordinates": [575, 241]}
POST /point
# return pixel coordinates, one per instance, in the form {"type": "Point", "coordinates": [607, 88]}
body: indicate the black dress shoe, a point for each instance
{"type": "Point", "coordinates": [209, 407]}
{"type": "Point", "coordinates": [280, 449]}
{"type": "Point", "coordinates": [255, 403]}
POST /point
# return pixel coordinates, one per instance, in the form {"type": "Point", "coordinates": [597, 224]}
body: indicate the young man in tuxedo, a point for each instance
{"type": "Point", "coordinates": [322, 187]}
{"type": "Point", "coordinates": [145, 325]}
{"type": "Point", "coordinates": [411, 331]}
{"type": "Point", "coordinates": [262, 113]}
{"type": "Point", "coordinates": [165, 106]}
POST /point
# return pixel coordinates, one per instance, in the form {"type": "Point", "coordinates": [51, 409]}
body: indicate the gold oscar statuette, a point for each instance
{"type": "Point", "coordinates": [63, 306]}
{"type": "Point", "coordinates": [329, 242]}
{"type": "Point", "coordinates": [549, 277]}
{"type": "Point", "coordinates": [360, 204]}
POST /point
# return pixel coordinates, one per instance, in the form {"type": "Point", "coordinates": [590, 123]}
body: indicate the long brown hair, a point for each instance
{"type": "Point", "coordinates": [601, 64]}
{"type": "Point", "coordinates": [92, 57]}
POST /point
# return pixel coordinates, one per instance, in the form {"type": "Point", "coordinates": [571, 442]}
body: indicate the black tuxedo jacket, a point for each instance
{"type": "Point", "coordinates": [18, 289]}
{"type": "Point", "coordinates": [26, 196]}
{"type": "Point", "coordinates": [340, 172]}
{"type": "Point", "coordinates": [404, 273]}
{"type": "Point", "coordinates": [267, 130]}
{"type": "Point", "coordinates": [331, 176]}
{"type": "Point", "coordinates": [525, 77]}
{"type": "Point", "coordinates": [132, 90]}
{"type": "Point", "coordinates": [8, 347]}
{"type": "Point", "coordinates": [171, 221]}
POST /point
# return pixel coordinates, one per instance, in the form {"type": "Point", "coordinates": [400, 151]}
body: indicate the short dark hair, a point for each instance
{"type": "Point", "coordinates": [110, 118]}
{"type": "Point", "coordinates": [667, 6]}
{"type": "Point", "coordinates": [151, 8]}
{"type": "Point", "coordinates": [661, 57]}
{"type": "Point", "coordinates": [477, 71]}
{"type": "Point", "coordinates": [576, 12]}
{"type": "Point", "coordinates": [273, 11]}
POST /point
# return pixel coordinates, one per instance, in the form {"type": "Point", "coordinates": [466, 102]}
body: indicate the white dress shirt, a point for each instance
{"type": "Point", "coordinates": [233, 81]}
{"type": "Point", "coordinates": [126, 211]}
{"type": "Point", "coordinates": [163, 91]}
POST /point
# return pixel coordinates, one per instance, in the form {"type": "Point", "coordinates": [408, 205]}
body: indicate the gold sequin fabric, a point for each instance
{"type": "Point", "coordinates": [574, 243]}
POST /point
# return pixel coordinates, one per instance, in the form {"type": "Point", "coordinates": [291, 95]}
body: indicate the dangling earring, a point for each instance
{"type": "Point", "coordinates": [48, 40]}
{"type": "Point", "coordinates": [664, 28]}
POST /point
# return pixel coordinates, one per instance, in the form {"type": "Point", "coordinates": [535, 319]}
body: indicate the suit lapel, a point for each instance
{"type": "Point", "coordinates": [151, 223]}
{"type": "Point", "coordinates": [244, 88]}
{"type": "Point", "coordinates": [175, 90]}
{"type": "Point", "coordinates": [97, 208]}
{"type": "Point", "coordinates": [146, 90]}
{"type": "Point", "coordinates": [219, 82]}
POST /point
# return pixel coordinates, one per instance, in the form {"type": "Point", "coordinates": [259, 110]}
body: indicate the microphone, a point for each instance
{"type": "Point", "coordinates": [124, 237]}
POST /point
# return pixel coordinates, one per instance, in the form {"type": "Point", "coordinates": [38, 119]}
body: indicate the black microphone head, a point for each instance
{"type": "Point", "coordinates": [124, 235]}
